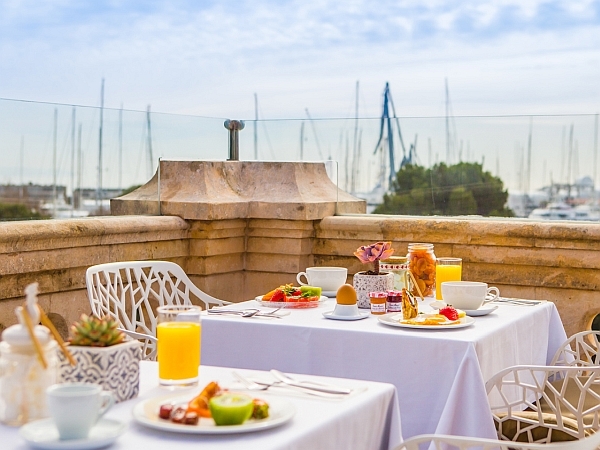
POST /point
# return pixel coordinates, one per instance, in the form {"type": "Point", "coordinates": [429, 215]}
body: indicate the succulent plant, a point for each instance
{"type": "Point", "coordinates": [373, 253]}
{"type": "Point", "coordinates": [95, 332]}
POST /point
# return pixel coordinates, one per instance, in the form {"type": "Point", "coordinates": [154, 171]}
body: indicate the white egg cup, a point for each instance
{"type": "Point", "coordinates": [346, 310]}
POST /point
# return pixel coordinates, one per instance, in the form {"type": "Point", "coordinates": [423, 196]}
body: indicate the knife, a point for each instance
{"type": "Point", "coordinates": [310, 385]}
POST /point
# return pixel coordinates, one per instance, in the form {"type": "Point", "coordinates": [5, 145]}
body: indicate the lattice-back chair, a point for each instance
{"type": "Point", "coordinates": [445, 442]}
{"type": "Point", "coordinates": [543, 404]}
{"type": "Point", "coordinates": [581, 349]}
{"type": "Point", "coordinates": [130, 292]}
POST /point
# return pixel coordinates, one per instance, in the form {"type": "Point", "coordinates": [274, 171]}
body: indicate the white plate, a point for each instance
{"type": "Point", "coordinates": [331, 315]}
{"type": "Point", "coordinates": [43, 434]}
{"type": "Point", "coordinates": [294, 305]}
{"type": "Point", "coordinates": [393, 319]}
{"type": "Point", "coordinates": [484, 310]}
{"type": "Point", "coordinates": [146, 413]}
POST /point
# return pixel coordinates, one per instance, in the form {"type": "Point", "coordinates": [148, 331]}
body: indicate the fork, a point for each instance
{"type": "Point", "coordinates": [249, 384]}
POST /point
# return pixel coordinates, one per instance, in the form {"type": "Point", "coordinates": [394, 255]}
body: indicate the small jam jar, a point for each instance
{"type": "Point", "coordinates": [378, 301]}
{"type": "Point", "coordinates": [394, 301]}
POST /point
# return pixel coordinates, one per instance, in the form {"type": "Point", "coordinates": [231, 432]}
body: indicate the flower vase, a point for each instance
{"type": "Point", "coordinates": [363, 284]}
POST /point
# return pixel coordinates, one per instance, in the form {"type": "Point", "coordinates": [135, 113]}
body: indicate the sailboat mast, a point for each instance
{"type": "Point", "coordinates": [256, 128]}
{"type": "Point", "coordinates": [302, 140]}
{"type": "Point", "coordinates": [79, 168]}
{"type": "Point", "coordinates": [121, 147]}
{"type": "Point", "coordinates": [54, 164]}
{"type": "Point", "coordinates": [72, 161]}
{"type": "Point", "coordinates": [21, 154]}
{"type": "Point", "coordinates": [99, 189]}
{"type": "Point", "coordinates": [528, 179]}
{"type": "Point", "coordinates": [447, 123]}
{"type": "Point", "coordinates": [150, 157]}
{"type": "Point", "coordinates": [355, 144]}
{"type": "Point", "coordinates": [595, 153]}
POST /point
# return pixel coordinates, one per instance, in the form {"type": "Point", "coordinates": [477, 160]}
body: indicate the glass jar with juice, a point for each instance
{"type": "Point", "coordinates": [421, 264]}
{"type": "Point", "coordinates": [178, 333]}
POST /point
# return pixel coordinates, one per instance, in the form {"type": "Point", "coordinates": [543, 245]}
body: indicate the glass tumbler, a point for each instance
{"type": "Point", "coordinates": [178, 333]}
{"type": "Point", "coordinates": [446, 269]}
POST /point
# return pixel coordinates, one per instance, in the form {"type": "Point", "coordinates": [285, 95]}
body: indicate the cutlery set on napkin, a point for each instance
{"type": "Point", "coordinates": [517, 301]}
{"type": "Point", "coordinates": [284, 381]}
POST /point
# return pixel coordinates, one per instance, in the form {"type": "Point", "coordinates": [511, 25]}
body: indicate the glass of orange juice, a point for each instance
{"type": "Point", "coordinates": [446, 269]}
{"type": "Point", "coordinates": [178, 333]}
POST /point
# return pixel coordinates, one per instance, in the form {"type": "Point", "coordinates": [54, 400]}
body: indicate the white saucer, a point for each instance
{"type": "Point", "coordinates": [330, 294]}
{"type": "Point", "coordinates": [484, 310]}
{"type": "Point", "coordinates": [331, 315]}
{"type": "Point", "coordinates": [43, 434]}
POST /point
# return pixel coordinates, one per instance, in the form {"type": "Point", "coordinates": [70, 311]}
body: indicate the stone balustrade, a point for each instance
{"type": "Point", "coordinates": [237, 235]}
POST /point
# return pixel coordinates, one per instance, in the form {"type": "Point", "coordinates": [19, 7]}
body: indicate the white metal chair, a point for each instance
{"type": "Point", "coordinates": [551, 403]}
{"type": "Point", "coordinates": [445, 442]}
{"type": "Point", "coordinates": [130, 292]}
{"type": "Point", "coordinates": [581, 349]}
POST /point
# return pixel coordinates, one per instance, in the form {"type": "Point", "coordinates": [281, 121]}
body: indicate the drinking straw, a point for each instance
{"type": "Point", "coordinates": [416, 285]}
{"type": "Point", "coordinates": [46, 321]}
{"type": "Point", "coordinates": [38, 348]}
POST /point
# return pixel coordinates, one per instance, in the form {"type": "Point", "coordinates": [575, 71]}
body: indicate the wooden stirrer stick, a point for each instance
{"type": "Point", "coordinates": [38, 348]}
{"type": "Point", "coordinates": [48, 323]}
{"type": "Point", "coordinates": [416, 285]}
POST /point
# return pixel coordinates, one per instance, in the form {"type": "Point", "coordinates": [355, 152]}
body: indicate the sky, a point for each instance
{"type": "Point", "coordinates": [196, 63]}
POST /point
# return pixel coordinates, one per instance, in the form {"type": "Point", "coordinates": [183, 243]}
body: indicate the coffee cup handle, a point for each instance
{"type": "Point", "coordinates": [489, 297]}
{"type": "Point", "coordinates": [108, 400]}
{"type": "Point", "coordinates": [300, 282]}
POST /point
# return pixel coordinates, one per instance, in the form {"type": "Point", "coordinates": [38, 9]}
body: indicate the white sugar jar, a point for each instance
{"type": "Point", "coordinates": [23, 379]}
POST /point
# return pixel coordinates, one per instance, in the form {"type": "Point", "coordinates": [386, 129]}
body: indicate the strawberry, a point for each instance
{"type": "Point", "coordinates": [278, 296]}
{"type": "Point", "coordinates": [450, 312]}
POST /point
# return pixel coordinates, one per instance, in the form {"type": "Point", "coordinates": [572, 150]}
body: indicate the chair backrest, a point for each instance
{"type": "Point", "coordinates": [130, 292]}
{"type": "Point", "coordinates": [538, 403]}
{"type": "Point", "coordinates": [581, 349]}
{"type": "Point", "coordinates": [445, 442]}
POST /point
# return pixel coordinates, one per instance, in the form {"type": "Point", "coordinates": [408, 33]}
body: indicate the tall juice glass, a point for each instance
{"type": "Point", "coordinates": [178, 333]}
{"type": "Point", "coordinates": [446, 269]}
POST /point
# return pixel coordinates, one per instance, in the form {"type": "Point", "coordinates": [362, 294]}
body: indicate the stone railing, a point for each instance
{"type": "Point", "coordinates": [237, 240]}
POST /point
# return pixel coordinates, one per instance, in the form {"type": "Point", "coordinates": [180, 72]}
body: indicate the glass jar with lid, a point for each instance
{"type": "Point", "coordinates": [421, 264]}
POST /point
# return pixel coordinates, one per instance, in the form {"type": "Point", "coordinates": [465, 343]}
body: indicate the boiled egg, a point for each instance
{"type": "Point", "coordinates": [346, 295]}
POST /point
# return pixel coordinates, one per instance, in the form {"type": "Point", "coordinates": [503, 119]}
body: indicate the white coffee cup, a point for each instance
{"type": "Point", "coordinates": [468, 295]}
{"type": "Point", "coordinates": [76, 407]}
{"type": "Point", "coordinates": [327, 278]}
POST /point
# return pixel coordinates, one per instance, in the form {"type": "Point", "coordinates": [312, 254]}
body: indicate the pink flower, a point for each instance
{"type": "Point", "coordinates": [374, 252]}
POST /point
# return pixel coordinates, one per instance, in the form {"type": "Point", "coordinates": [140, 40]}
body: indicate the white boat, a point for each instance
{"type": "Point", "coordinates": [562, 211]}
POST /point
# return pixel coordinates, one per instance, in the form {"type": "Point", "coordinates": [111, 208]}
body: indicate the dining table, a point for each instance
{"type": "Point", "coordinates": [367, 417]}
{"type": "Point", "coordinates": [439, 372]}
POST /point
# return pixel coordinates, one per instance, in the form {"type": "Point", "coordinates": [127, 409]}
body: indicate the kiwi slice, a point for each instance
{"type": "Point", "coordinates": [310, 291]}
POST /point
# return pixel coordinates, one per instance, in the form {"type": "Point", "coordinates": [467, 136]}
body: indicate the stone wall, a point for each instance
{"type": "Point", "coordinates": [239, 259]}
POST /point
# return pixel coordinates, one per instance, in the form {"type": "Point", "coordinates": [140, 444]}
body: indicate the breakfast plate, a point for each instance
{"type": "Point", "coordinates": [146, 413]}
{"type": "Point", "coordinates": [393, 319]}
{"type": "Point", "coordinates": [331, 315]}
{"type": "Point", "coordinates": [42, 434]}
{"type": "Point", "coordinates": [297, 305]}
{"type": "Point", "coordinates": [483, 311]}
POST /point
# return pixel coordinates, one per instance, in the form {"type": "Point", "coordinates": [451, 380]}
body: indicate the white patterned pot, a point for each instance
{"type": "Point", "coordinates": [115, 368]}
{"type": "Point", "coordinates": [363, 284]}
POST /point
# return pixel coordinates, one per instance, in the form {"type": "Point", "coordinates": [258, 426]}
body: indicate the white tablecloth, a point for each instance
{"type": "Point", "coordinates": [439, 374]}
{"type": "Point", "coordinates": [368, 419]}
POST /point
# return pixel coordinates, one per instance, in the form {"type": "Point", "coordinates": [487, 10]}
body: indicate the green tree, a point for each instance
{"type": "Point", "coordinates": [17, 211]}
{"type": "Point", "coordinates": [461, 189]}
